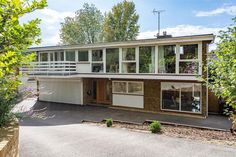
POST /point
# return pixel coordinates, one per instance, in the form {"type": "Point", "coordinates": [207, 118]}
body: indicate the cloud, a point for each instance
{"type": "Point", "coordinates": [231, 10]}
{"type": "Point", "coordinates": [50, 24]}
{"type": "Point", "coordinates": [52, 16]}
{"type": "Point", "coordinates": [51, 19]}
{"type": "Point", "coordinates": [184, 30]}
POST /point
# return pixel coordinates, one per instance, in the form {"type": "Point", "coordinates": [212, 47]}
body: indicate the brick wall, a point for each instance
{"type": "Point", "coordinates": [9, 141]}
{"type": "Point", "coordinates": [152, 95]}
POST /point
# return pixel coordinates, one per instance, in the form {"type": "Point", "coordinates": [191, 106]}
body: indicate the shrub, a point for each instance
{"type": "Point", "coordinates": [155, 126]}
{"type": "Point", "coordinates": [17, 38]}
{"type": "Point", "coordinates": [8, 97]}
{"type": "Point", "coordinates": [109, 122]}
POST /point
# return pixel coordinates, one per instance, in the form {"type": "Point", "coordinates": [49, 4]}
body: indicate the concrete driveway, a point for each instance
{"type": "Point", "coordinates": [61, 114]}
{"type": "Point", "coordinates": [56, 132]}
{"type": "Point", "coordinates": [84, 140]}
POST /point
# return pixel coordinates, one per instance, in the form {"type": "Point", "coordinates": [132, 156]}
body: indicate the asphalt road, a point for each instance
{"type": "Point", "coordinates": [84, 140]}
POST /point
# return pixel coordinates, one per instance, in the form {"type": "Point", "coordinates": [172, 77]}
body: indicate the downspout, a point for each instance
{"type": "Point", "coordinates": [207, 80]}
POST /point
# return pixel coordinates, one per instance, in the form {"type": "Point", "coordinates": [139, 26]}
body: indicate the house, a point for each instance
{"type": "Point", "coordinates": [160, 75]}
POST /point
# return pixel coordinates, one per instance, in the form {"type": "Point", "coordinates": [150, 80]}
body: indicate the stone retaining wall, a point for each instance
{"type": "Point", "coordinates": [9, 140]}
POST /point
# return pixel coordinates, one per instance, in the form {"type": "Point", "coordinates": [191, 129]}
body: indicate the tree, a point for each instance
{"type": "Point", "coordinates": [222, 68]}
{"type": "Point", "coordinates": [85, 27]}
{"type": "Point", "coordinates": [15, 38]}
{"type": "Point", "coordinates": [120, 24]}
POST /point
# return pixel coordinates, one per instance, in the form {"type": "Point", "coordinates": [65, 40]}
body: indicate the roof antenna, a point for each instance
{"type": "Point", "coordinates": [158, 12]}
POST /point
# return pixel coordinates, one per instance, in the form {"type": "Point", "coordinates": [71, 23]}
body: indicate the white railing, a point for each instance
{"type": "Point", "coordinates": [50, 68]}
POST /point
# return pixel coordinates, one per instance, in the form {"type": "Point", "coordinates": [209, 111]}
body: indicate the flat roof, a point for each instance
{"type": "Point", "coordinates": [139, 42]}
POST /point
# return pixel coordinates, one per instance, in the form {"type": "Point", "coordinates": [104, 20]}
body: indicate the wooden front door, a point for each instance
{"type": "Point", "coordinates": [103, 91]}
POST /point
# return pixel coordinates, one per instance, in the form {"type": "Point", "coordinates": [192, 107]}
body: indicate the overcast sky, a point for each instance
{"type": "Point", "coordinates": [181, 17]}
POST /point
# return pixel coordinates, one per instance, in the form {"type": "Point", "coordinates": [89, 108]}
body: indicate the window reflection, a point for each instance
{"type": "Point", "coordinates": [112, 60]}
{"type": "Point", "coordinates": [166, 59]}
{"type": "Point", "coordinates": [135, 88]}
{"type": "Point", "coordinates": [147, 59]}
{"type": "Point", "coordinates": [128, 54]}
{"type": "Point", "coordinates": [181, 96]}
{"type": "Point", "coordinates": [188, 67]}
{"type": "Point", "coordinates": [97, 67]}
{"type": "Point", "coordinates": [70, 55]}
{"type": "Point", "coordinates": [83, 56]}
{"type": "Point", "coordinates": [189, 51]}
{"type": "Point", "coordinates": [97, 55]}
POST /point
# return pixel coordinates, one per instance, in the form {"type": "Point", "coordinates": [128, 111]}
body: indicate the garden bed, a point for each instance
{"type": "Point", "coordinates": [206, 135]}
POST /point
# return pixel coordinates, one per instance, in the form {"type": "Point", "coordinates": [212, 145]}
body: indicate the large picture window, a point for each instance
{"type": "Point", "coordinates": [128, 60]}
{"type": "Point", "coordinates": [185, 97]}
{"type": "Point", "coordinates": [166, 59]}
{"type": "Point", "coordinates": [128, 87]}
{"type": "Point", "coordinates": [147, 59]}
{"type": "Point", "coordinates": [112, 60]}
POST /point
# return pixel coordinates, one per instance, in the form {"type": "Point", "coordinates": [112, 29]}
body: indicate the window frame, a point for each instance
{"type": "Point", "coordinates": [180, 104]}
{"type": "Point", "coordinates": [98, 62]}
{"type": "Point", "coordinates": [127, 88]}
{"type": "Point", "coordinates": [129, 61]}
{"type": "Point", "coordinates": [198, 60]}
{"type": "Point", "coordinates": [155, 58]}
{"type": "Point", "coordinates": [110, 48]}
{"type": "Point", "coordinates": [176, 58]}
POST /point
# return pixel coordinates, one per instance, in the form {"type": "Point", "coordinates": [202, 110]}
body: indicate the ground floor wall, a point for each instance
{"type": "Point", "coordinates": [149, 101]}
{"type": "Point", "coordinates": [81, 91]}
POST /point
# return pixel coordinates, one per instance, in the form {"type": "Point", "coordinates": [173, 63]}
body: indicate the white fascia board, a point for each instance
{"type": "Point", "coordinates": [115, 76]}
{"type": "Point", "coordinates": [61, 79]}
{"type": "Point", "coordinates": [141, 42]}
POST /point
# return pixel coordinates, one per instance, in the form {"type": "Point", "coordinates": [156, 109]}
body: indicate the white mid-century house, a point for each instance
{"type": "Point", "coordinates": [160, 75]}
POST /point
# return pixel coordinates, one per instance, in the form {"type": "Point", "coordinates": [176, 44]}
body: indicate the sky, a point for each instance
{"type": "Point", "coordinates": [181, 17]}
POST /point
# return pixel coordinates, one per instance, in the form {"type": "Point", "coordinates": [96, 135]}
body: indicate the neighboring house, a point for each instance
{"type": "Point", "coordinates": [160, 75]}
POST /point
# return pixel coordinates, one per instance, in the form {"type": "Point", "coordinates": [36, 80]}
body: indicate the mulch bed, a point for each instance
{"type": "Point", "coordinates": [210, 136]}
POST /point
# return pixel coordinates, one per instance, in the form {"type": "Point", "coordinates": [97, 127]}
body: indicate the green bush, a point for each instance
{"type": "Point", "coordinates": [109, 122]}
{"type": "Point", "coordinates": [155, 126]}
{"type": "Point", "coordinates": [8, 97]}
{"type": "Point", "coordinates": [15, 39]}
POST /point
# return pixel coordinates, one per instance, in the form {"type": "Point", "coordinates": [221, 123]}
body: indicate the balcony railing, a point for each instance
{"type": "Point", "coordinates": [50, 68]}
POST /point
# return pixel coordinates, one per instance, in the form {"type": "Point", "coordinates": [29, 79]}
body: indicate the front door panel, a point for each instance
{"type": "Point", "coordinates": [103, 91]}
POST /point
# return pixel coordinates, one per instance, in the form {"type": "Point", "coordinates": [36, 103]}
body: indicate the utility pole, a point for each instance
{"type": "Point", "coordinates": [158, 12]}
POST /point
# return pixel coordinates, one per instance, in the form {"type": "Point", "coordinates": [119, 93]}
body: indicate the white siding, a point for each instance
{"type": "Point", "coordinates": [83, 67]}
{"type": "Point", "coordinates": [61, 90]}
{"type": "Point", "coordinates": [135, 101]}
